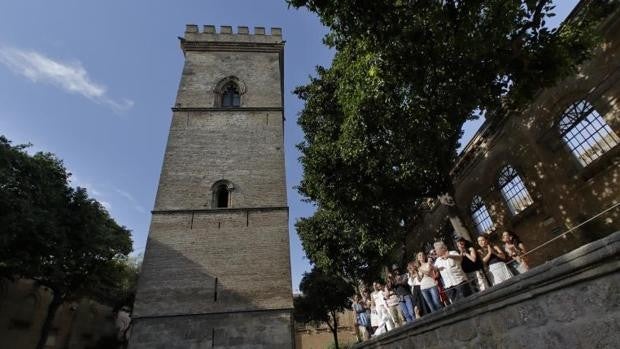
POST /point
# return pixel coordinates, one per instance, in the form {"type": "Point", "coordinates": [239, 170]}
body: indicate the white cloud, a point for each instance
{"type": "Point", "coordinates": [94, 193]}
{"type": "Point", "coordinates": [124, 194]}
{"type": "Point", "coordinates": [130, 197]}
{"type": "Point", "coordinates": [71, 77]}
{"type": "Point", "coordinates": [78, 182]}
{"type": "Point", "coordinates": [103, 194]}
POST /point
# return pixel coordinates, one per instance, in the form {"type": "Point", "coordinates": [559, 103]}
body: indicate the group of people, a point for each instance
{"type": "Point", "coordinates": [435, 280]}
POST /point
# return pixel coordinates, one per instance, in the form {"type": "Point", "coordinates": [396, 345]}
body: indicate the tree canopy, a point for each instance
{"type": "Point", "coordinates": [324, 295]}
{"type": "Point", "coordinates": [383, 123]}
{"type": "Point", "coordinates": [55, 234]}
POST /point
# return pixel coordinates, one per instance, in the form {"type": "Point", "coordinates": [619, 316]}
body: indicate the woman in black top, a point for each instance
{"type": "Point", "coordinates": [472, 265]}
{"type": "Point", "coordinates": [494, 257]}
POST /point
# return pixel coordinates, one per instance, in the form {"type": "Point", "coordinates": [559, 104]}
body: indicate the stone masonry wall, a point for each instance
{"type": "Point", "coordinates": [259, 73]}
{"type": "Point", "coordinates": [243, 147]}
{"type": "Point", "coordinates": [564, 192]}
{"type": "Point", "coordinates": [77, 324]}
{"type": "Point", "coordinates": [256, 330]}
{"type": "Point", "coordinates": [570, 302]}
{"type": "Point", "coordinates": [187, 251]}
{"type": "Point", "coordinates": [220, 277]}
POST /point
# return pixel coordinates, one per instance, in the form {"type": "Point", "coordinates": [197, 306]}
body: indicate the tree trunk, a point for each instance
{"type": "Point", "coordinates": [335, 330]}
{"type": "Point", "coordinates": [457, 223]}
{"type": "Point", "coordinates": [71, 330]}
{"type": "Point", "coordinates": [49, 318]}
{"type": "Point", "coordinates": [454, 216]}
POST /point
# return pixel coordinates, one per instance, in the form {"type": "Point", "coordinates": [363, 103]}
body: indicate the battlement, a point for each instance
{"type": "Point", "coordinates": [210, 33]}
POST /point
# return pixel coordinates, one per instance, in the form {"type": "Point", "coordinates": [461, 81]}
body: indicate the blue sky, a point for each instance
{"type": "Point", "coordinates": [93, 82]}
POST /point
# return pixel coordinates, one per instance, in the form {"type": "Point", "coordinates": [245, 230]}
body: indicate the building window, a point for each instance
{"type": "Point", "coordinates": [222, 194]}
{"type": "Point", "coordinates": [480, 215]}
{"type": "Point", "coordinates": [230, 96]}
{"type": "Point", "coordinates": [228, 92]}
{"type": "Point", "coordinates": [586, 133]}
{"type": "Point", "coordinates": [513, 190]}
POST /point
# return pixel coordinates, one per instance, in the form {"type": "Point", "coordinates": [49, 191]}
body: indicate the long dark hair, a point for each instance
{"type": "Point", "coordinates": [485, 238]}
{"type": "Point", "coordinates": [468, 244]}
{"type": "Point", "coordinates": [515, 238]}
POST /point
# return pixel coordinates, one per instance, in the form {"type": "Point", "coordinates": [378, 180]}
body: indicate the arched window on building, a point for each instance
{"type": "Point", "coordinates": [480, 215]}
{"type": "Point", "coordinates": [231, 97]}
{"type": "Point", "coordinates": [222, 194]}
{"type": "Point", "coordinates": [513, 190]}
{"type": "Point", "coordinates": [586, 133]}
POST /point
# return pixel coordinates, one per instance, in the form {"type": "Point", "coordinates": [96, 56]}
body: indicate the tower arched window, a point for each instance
{"type": "Point", "coordinates": [513, 190]}
{"type": "Point", "coordinates": [480, 215]}
{"type": "Point", "coordinates": [230, 96]}
{"type": "Point", "coordinates": [222, 191]}
{"type": "Point", "coordinates": [222, 196]}
{"type": "Point", "coordinates": [586, 133]}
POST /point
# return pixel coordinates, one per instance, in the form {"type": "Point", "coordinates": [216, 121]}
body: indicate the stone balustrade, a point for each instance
{"type": "Point", "coordinates": [572, 301]}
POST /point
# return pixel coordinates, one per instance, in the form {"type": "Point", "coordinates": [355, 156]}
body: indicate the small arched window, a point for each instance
{"type": "Point", "coordinates": [230, 96]}
{"type": "Point", "coordinates": [586, 133]}
{"type": "Point", "coordinates": [222, 194]}
{"type": "Point", "coordinates": [480, 215]}
{"type": "Point", "coordinates": [513, 190]}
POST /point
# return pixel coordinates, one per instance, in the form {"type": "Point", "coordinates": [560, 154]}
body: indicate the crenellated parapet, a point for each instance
{"type": "Point", "coordinates": [210, 36]}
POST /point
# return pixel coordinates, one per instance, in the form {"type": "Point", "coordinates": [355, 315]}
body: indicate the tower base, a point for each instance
{"type": "Point", "coordinates": [253, 329]}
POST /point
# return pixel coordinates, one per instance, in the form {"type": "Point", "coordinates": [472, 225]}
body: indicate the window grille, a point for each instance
{"type": "Point", "coordinates": [586, 132]}
{"type": "Point", "coordinates": [480, 215]}
{"type": "Point", "coordinates": [513, 190]}
{"type": "Point", "coordinates": [230, 96]}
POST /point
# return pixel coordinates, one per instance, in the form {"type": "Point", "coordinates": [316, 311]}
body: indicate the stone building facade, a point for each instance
{"type": "Point", "coordinates": [216, 271]}
{"type": "Point", "coordinates": [76, 325]}
{"type": "Point", "coordinates": [545, 170]}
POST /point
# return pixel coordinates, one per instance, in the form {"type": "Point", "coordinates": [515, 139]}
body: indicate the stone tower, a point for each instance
{"type": "Point", "coordinates": [216, 271]}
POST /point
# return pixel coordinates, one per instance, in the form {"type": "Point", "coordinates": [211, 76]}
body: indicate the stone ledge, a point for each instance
{"type": "Point", "coordinates": [220, 46]}
{"type": "Point", "coordinates": [256, 310]}
{"type": "Point", "coordinates": [589, 262]}
{"type": "Point", "coordinates": [221, 210]}
{"type": "Point", "coordinates": [228, 109]}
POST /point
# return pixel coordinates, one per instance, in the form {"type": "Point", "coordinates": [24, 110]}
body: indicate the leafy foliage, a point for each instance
{"type": "Point", "coordinates": [341, 247]}
{"type": "Point", "coordinates": [55, 234]}
{"type": "Point", "coordinates": [324, 295]}
{"type": "Point", "coordinates": [382, 124]}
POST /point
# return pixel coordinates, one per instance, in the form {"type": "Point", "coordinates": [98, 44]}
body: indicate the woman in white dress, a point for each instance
{"type": "Point", "coordinates": [384, 321]}
{"type": "Point", "coordinates": [495, 258]}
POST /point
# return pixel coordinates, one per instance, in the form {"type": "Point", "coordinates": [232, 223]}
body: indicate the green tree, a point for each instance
{"type": "Point", "coordinates": [55, 234]}
{"type": "Point", "coordinates": [324, 295]}
{"type": "Point", "coordinates": [383, 123]}
{"type": "Point", "coordinates": [119, 287]}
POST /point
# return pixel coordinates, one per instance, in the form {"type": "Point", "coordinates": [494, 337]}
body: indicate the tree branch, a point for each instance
{"type": "Point", "coordinates": [537, 17]}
